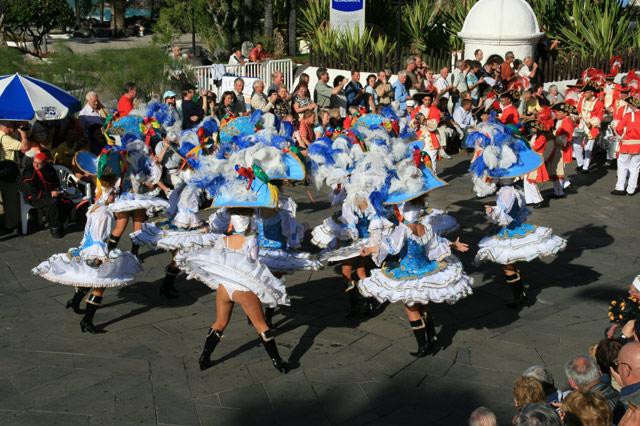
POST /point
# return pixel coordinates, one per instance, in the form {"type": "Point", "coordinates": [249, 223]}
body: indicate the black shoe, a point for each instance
{"type": "Point", "coordinates": [135, 249]}
{"type": "Point", "coordinates": [269, 343]}
{"type": "Point", "coordinates": [213, 338]}
{"type": "Point", "coordinates": [539, 205]}
{"type": "Point", "coordinates": [582, 171]}
{"type": "Point", "coordinates": [57, 233]}
{"type": "Point", "coordinates": [75, 301]}
{"type": "Point", "coordinates": [613, 165]}
{"type": "Point", "coordinates": [558, 197]}
{"type": "Point", "coordinates": [520, 297]}
{"type": "Point", "coordinates": [631, 194]}
{"type": "Point", "coordinates": [167, 288]}
{"type": "Point", "coordinates": [618, 192]}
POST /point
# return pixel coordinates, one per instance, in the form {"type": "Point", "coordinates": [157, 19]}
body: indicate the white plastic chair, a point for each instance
{"type": "Point", "coordinates": [67, 179]}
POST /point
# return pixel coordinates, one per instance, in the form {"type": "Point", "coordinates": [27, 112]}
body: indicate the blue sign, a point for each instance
{"type": "Point", "coordinates": [347, 5]}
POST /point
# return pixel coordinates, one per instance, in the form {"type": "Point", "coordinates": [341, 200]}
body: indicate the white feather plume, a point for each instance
{"type": "Point", "coordinates": [507, 157]}
{"type": "Point", "coordinates": [491, 155]}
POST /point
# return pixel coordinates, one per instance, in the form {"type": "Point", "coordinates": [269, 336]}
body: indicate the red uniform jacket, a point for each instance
{"type": "Point", "coordinates": [629, 128]}
{"type": "Point", "coordinates": [590, 113]}
{"type": "Point", "coordinates": [431, 113]}
{"type": "Point", "coordinates": [540, 174]}
{"type": "Point", "coordinates": [564, 130]}
{"type": "Point", "coordinates": [509, 115]}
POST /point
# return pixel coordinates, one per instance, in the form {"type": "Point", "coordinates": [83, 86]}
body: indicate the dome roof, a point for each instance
{"type": "Point", "coordinates": [501, 20]}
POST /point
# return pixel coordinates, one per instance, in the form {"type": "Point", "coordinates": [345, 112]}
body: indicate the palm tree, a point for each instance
{"type": "Point", "coordinates": [268, 19]}
{"type": "Point", "coordinates": [292, 27]}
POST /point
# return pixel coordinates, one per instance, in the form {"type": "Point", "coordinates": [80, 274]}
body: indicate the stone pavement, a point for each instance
{"type": "Point", "coordinates": [144, 369]}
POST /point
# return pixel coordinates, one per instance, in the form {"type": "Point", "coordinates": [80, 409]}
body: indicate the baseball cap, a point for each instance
{"type": "Point", "coordinates": [168, 94]}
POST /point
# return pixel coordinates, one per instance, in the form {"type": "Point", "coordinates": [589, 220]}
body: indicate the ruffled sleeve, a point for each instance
{"type": "Point", "coordinates": [291, 229]}
{"type": "Point", "coordinates": [251, 248]}
{"type": "Point", "coordinates": [504, 202]}
{"type": "Point", "coordinates": [391, 244]}
{"type": "Point", "coordinates": [187, 208]}
{"type": "Point", "coordinates": [350, 219]}
{"type": "Point", "coordinates": [437, 247]}
{"type": "Point", "coordinates": [378, 228]}
{"type": "Point", "coordinates": [219, 221]}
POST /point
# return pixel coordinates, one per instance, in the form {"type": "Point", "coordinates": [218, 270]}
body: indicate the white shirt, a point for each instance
{"type": "Point", "coordinates": [235, 61]}
{"type": "Point", "coordinates": [441, 84]}
{"type": "Point", "coordinates": [524, 71]}
{"type": "Point", "coordinates": [88, 110]}
{"type": "Point", "coordinates": [462, 117]}
{"type": "Point", "coordinates": [460, 80]}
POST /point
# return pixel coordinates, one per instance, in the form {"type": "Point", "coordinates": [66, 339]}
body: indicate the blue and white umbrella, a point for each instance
{"type": "Point", "coordinates": [24, 98]}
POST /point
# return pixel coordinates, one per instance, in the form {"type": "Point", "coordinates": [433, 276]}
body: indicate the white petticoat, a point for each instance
{"type": "Point", "coordinates": [288, 261]}
{"type": "Point", "coordinates": [168, 239]}
{"type": "Point", "coordinates": [117, 270]}
{"type": "Point", "coordinates": [344, 253]}
{"type": "Point", "coordinates": [540, 243]}
{"type": "Point", "coordinates": [327, 234]}
{"type": "Point", "coordinates": [446, 285]}
{"type": "Point", "coordinates": [129, 201]}
{"type": "Point", "coordinates": [235, 272]}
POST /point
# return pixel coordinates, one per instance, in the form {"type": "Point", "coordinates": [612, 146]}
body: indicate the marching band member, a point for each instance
{"type": "Point", "coordinates": [561, 154]}
{"type": "Point", "coordinates": [543, 135]}
{"type": "Point", "coordinates": [629, 149]}
{"type": "Point", "coordinates": [590, 112]}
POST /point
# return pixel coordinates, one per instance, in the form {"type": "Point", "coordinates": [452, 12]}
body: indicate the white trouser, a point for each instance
{"type": "Point", "coordinates": [583, 154]}
{"type": "Point", "coordinates": [531, 192]}
{"type": "Point", "coordinates": [628, 164]}
{"type": "Point", "coordinates": [612, 146]}
{"type": "Point", "coordinates": [433, 155]}
{"type": "Point", "coordinates": [558, 187]}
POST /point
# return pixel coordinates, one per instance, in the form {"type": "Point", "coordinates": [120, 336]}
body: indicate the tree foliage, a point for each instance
{"type": "Point", "coordinates": [32, 20]}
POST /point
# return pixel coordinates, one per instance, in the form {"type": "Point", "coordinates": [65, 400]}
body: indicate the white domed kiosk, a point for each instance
{"type": "Point", "coordinates": [499, 26]}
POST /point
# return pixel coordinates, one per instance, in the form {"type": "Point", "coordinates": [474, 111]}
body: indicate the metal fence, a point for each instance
{"type": "Point", "coordinates": [261, 70]}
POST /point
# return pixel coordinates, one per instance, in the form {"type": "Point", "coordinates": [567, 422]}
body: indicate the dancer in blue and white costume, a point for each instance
{"type": "Point", "coordinates": [92, 266]}
{"type": "Point", "coordinates": [425, 270]}
{"type": "Point", "coordinates": [504, 158]}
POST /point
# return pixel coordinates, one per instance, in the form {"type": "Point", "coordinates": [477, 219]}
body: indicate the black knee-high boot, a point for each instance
{"type": "Point", "coordinates": [268, 316]}
{"type": "Point", "coordinates": [86, 324]}
{"type": "Point", "coordinates": [520, 298]}
{"type": "Point", "coordinates": [112, 242]}
{"type": "Point", "coordinates": [74, 302]}
{"type": "Point", "coordinates": [269, 343]}
{"type": "Point", "coordinates": [419, 332]}
{"type": "Point", "coordinates": [431, 328]}
{"type": "Point", "coordinates": [212, 340]}
{"type": "Point", "coordinates": [135, 249]}
{"type": "Point", "coordinates": [167, 289]}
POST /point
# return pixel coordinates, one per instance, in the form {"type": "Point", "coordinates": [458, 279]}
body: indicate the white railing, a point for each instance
{"type": "Point", "coordinates": [261, 70]}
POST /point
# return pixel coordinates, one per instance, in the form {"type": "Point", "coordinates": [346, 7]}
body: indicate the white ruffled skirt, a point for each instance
{"type": "Point", "coordinates": [447, 284]}
{"type": "Point", "coordinates": [537, 241]}
{"type": "Point", "coordinates": [235, 272]}
{"type": "Point", "coordinates": [169, 238]}
{"type": "Point", "coordinates": [119, 269]}
{"type": "Point", "coordinates": [129, 201]}
{"type": "Point", "coordinates": [288, 261]}
{"type": "Point", "coordinates": [344, 253]}
{"type": "Point", "coordinates": [327, 234]}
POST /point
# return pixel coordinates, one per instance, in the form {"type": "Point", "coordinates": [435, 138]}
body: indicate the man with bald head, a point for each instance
{"type": "Point", "coordinates": [628, 374]}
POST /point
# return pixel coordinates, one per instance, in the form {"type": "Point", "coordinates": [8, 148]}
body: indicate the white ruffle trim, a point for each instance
{"type": "Point", "coordinates": [540, 243]}
{"type": "Point", "coordinates": [235, 272]}
{"type": "Point", "coordinates": [327, 233]}
{"type": "Point", "coordinates": [117, 270]}
{"type": "Point", "coordinates": [130, 202]}
{"type": "Point", "coordinates": [186, 220]}
{"type": "Point", "coordinates": [285, 261]}
{"type": "Point", "coordinates": [447, 285]}
{"type": "Point", "coordinates": [95, 251]}
{"type": "Point", "coordinates": [344, 253]}
{"type": "Point", "coordinates": [481, 188]}
{"type": "Point", "coordinates": [442, 223]}
{"type": "Point", "coordinates": [187, 241]}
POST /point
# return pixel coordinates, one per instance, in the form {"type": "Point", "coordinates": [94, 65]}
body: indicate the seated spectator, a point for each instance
{"type": "Point", "coordinates": [305, 131]}
{"type": "Point", "coordinates": [64, 152]}
{"type": "Point", "coordinates": [282, 107]}
{"type": "Point", "coordinates": [545, 378]}
{"type": "Point", "coordinates": [627, 374]}
{"type": "Point", "coordinates": [192, 112]}
{"type": "Point", "coordinates": [237, 58]}
{"type": "Point", "coordinates": [277, 80]}
{"type": "Point", "coordinates": [260, 101]}
{"type": "Point", "coordinates": [462, 114]}
{"type": "Point", "coordinates": [96, 139]}
{"type": "Point", "coordinates": [225, 107]}
{"type": "Point", "coordinates": [125, 104]}
{"type": "Point", "coordinates": [586, 409]}
{"type": "Point", "coordinates": [301, 100]}
{"type": "Point", "coordinates": [527, 390]}
{"type": "Point", "coordinates": [538, 93]}
{"type": "Point", "coordinates": [258, 54]}
{"type": "Point", "coordinates": [538, 414]}
{"type": "Point", "coordinates": [9, 171]}
{"type": "Point", "coordinates": [239, 104]}
{"type": "Point", "coordinates": [41, 189]}
{"type": "Point", "coordinates": [482, 416]}
{"type": "Point", "coordinates": [304, 79]}
{"type": "Point", "coordinates": [554, 96]}
{"type": "Point", "coordinates": [324, 124]}
{"type": "Point", "coordinates": [93, 112]}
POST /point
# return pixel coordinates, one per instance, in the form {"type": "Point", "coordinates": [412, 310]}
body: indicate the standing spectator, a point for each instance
{"type": "Point", "coordinates": [239, 105]}
{"type": "Point", "coordinates": [429, 80]}
{"type": "Point", "coordinates": [322, 92]}
{"type": "Point", "coordinates": [169, 98]}
{"type": "Point", "coordinates": [260, 101]}
{"type": "Point", "coordinates": [586, 409]}
{"type": "Point", "coordinates": [301, 101]}
{"type": "Point", "coordinates": [529, 69]}
{"type": "Point", "coordinates": [237, 58]}
{"type": "Point", "coordinates": [538, 414]}
{"type": "Point", "coordinates": [474, 82]}
{"type": "Point", "coordinates": [459, 80]}
{"type": "Point", "coordinates": [554, 96]}
{"type": "Point", "coordinates": [9, 172]}
{"type": "Point", "coordinates": [282, 107]}
{"type": "Point", "coordinates": [371, 97]}
{"type": "Point", "coordinates": [478, 55]}
{"type": "Point", "coordinates": [383, 90]}
{"type": "Point", "coordinates": [412, 82]}
{"type": "Point", "coordinates": [506, 73]}
{"type": "Point", "coordinates": [277, 80]}
{"type": "Point", "coordinates": [258, 54]}
{"type": "Point", "coordinates": [338, 97]}
{"type": "Point", "coordinates": [400, 93]}
{"type": "Point", "coordinates": [443, 85]}
{"type": "Point", "coordinates": [41, 188]}
{"type": "Point", "coordinates": [527, 390]}
{"type": "Point", "coordinates": [545, 378]}
{"type": "Point", "coordinates": [192, 112]}
{"type": "Point", "coordinates": [125, 104]}
{"type": "Point", "coordinates": [225, 107]}
{"type": "Point", "coordinates": [628, 374]}
{"type": "Point", "coordinates": [462, 114]}
{"type": "Point", "coordinates": [305, 131]}
{"type": "Point", "coordinates": [93, 112]}
{"type": "Point", "coordinates": [354, 91]}
{"type": "Point", "coordinates": [482, 416]}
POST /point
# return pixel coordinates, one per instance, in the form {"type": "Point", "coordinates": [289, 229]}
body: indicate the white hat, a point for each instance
{"type": "Point", "coordinates": [636, 283]}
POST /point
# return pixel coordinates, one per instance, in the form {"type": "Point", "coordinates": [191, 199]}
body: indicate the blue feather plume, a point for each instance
{"type": "Point", "coordinates": [160, 111]}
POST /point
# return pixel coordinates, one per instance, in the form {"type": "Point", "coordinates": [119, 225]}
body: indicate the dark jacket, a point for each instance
{"type": "Point", "coordinates": [189, 109]}
{"type": "Point", "coordinates": [604, 388]}
{"type": "Point", "coordinates": [39, 187]}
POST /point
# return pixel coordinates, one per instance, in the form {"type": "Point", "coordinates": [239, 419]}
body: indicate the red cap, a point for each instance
{"type": "Point", "coordinates": [41, 156]}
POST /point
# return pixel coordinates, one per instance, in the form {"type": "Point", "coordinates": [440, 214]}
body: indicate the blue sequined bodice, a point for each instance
{"type": "Point", "coordinates": [413, 263]}
{"type": "Point", "coordinates": [516, 229]}
{"type": "Point", "coordinates": [363, 226]}
{"type": "Point", "coordinates": [270, 233]}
